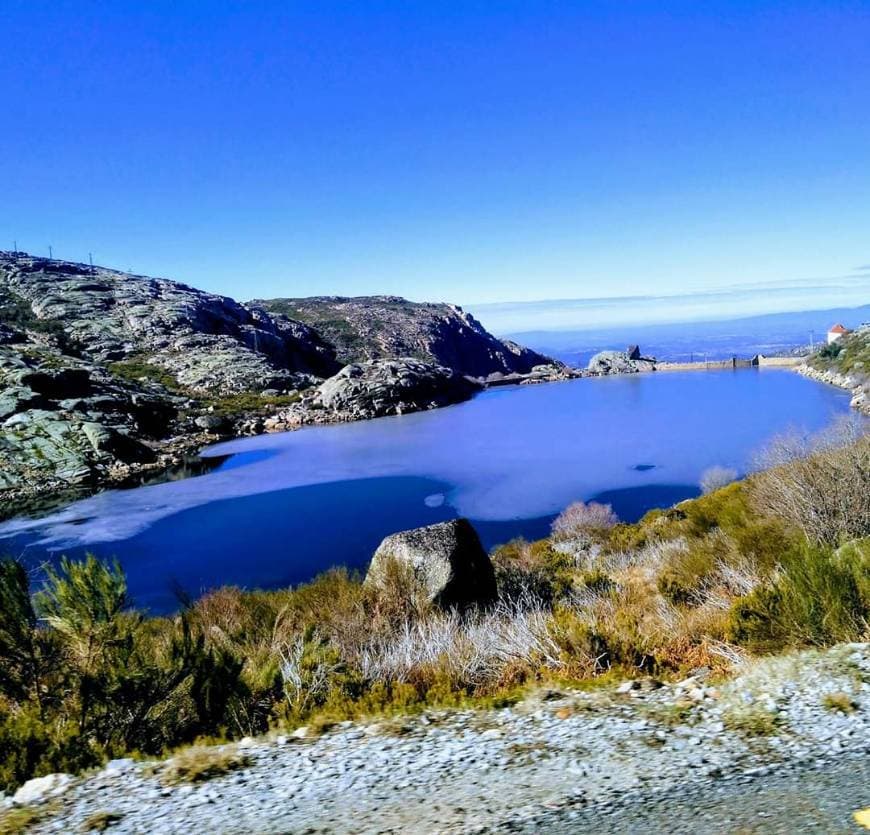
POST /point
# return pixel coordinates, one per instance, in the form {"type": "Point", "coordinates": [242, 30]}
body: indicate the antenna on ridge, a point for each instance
{"type": "Point", "coordinates": [91, 260]}
{"type": "Point", "coordinates": [50, 253]}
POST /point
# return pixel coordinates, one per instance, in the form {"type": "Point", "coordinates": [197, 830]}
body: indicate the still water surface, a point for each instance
{"type": "Point", "coordinates": [283, 507]}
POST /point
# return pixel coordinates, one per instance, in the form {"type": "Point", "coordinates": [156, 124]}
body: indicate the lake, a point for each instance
{"type": "Point", "coordinates": [278, 509]}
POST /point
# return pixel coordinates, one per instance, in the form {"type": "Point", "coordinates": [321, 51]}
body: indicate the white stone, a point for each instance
{"type": "Point", "coordinates": [40, 788]}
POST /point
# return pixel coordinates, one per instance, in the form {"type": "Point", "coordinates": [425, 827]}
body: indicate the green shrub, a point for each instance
{"type": "Point", "coordinates": [34, 744]}
{"type": "Point", "coordinates": [135, 370]}
{"type": "Point", "coordinates": [92, 679]}
{"type": "Point", "coordinates": [685, 572]}
{"type": "Point", "coordinates": [815, 599]}
{"type": "Point", "coordinates": [533, 568]}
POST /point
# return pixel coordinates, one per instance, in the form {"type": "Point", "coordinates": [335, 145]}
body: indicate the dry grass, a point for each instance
{"type": "Point", "coordinates": [200, 763]}
{"type": "Point", "coordinates": [840, 702]}
{"type": "Point", "coordinates": [752, 721]}
{"type": "Point", "coordinates": [16, 821]}
{"type": "Point", "coordinates": [101, 821]}
{"type": "Point", "coordinates": [473, 650]}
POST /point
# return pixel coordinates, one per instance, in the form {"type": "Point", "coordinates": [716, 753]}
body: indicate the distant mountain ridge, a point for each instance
{"type": "Point", "coordinates": [769, 334]}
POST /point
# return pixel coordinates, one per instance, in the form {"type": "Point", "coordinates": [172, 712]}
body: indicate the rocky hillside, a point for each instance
{"type": "Point", "coordinates": [203, 341]}
{"type": "Point", "coordinates": [380, 327]}
{"type": "Point", "coordinates": [846, 364]}
{"type": "Point", "coordinates": [104, 373]}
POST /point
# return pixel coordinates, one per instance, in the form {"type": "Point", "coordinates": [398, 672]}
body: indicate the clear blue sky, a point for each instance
{"type": "Point", "coordinates": [475, 152]}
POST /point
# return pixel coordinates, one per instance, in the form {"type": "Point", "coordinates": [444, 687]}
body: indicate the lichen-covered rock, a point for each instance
{"type": "Point", "coordinates": [382, 387]}
{"type": "Point", "coordinates": [99, 369]}
{"type": "Point", "coordinates": [381, 327]}
{"type": "Point", "coordinates": [447, 560]}
{"type": "Point", "coordinates": [207, 342]}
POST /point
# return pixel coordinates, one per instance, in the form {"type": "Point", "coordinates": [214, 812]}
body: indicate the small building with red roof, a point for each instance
{"type": "Point", "coordinates": [836, 332]}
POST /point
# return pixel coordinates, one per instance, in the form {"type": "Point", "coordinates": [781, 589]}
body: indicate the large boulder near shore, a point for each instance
{"type": "Point", "coordinates": [378, 388]}
{"type": "Point", "coordinates": [447, 560]}
{"type": "Point", "coordinates": [621, 362]}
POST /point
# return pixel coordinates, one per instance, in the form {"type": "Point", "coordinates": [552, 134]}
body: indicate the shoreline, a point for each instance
{"type": "Point", "coordinates": [183, 451]}
{"type": "Point", "coordinates": [860, 399]}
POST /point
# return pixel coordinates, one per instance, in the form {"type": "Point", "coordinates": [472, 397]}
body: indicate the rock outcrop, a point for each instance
{"type": "Point", "coordinates": [857, 387]}
{"type": "Point", "coordinates": [621, 362]}
{"type": "Point", "coordinates": [71, 424]}
{"type": "Point", "coordinates": [205, 342]}
{"type": "Point", "coordinates": [845, 364]}
{"type": "Point", "coordinates": [378, 327]}
{"type": "Point", "coordinates": [378, 388]}
{"type": "Point", "coordinates": [104, 373]}
{"type": "Point", "coordinates": [447, 561]}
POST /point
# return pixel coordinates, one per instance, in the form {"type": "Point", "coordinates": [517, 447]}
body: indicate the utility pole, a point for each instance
{"type": "Point", "coordinates": [91, 260]}
{"type": "Point", "coordinates": [812, 341]}
{"type": "Point", "coordinates": [50, 253]}
{"type": "Point", "coordinates": [15, 246]}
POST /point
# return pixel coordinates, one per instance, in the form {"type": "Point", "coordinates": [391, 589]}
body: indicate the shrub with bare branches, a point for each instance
{"type": "Point", "coordinates": [716, 477]}
{"type": "Point", "coordinates": [584, 522]}
{"type": "Point", "coordinates": [820, 484]}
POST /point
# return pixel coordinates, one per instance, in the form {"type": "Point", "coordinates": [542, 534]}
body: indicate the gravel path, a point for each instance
{"type": "Point", "coordinates": [636, 758]}
{"type": "Point", "coordinates": [816, 798]}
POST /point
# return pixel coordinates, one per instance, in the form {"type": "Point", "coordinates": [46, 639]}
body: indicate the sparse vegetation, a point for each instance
{"type": "Point", "coordinates": [752, 721]}
{"type": "Point", "coordinates": [848, 355]}
{"type": "Point", "coordinates": [200, 763]}
{"type": "Point", "coordinates": [716, 478]}
{"type": "Point", "coordinates": [136, 370]}
{"type": "Point", "coordinates": [840, 702]}
{"type": "Point", "coordinates": [820, 485]}
{"type": "Point", "coordinates": [101, 821]}
{"type": "Point", "coordinates": [83, 677]}
{"type": "Point", "coordinates": [245, 403]}
{"type": "Point", "coordinates": [584, 523]}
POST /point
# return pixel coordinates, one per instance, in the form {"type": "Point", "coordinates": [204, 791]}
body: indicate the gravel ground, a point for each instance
{"type": "Point", "coordinates": [687, 757]}
{"type": "Point", "coordinates": [820, 797]}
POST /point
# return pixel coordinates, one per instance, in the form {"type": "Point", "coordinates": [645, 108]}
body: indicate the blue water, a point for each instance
{"type": "Point", "coordinates": [283, 507]}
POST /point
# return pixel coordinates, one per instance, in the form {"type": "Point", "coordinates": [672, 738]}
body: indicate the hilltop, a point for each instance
{"type": "Point", "coordinates": [105, 374]}
{"type": "Point", "coordinates": [382, 327]}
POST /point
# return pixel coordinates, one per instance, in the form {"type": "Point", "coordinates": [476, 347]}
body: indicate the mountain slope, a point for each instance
{"type": "Point", "coordinates": [204, 341]}
{"type": "Point", "coordinates": [384, 327]}
{"type": "Point", "coordinates": [104, 374]}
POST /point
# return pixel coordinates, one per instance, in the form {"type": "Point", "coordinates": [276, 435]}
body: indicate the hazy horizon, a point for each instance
{"type": "Point", "coordinates": [726, 303]}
